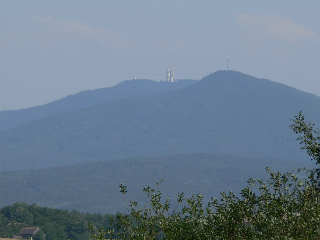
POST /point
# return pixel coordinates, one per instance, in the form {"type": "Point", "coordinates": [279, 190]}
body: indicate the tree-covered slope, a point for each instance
{"type": "Point", "coordinates": [125, 89]}
{"type": "Point", "coordinates": [54, 223]}
{"type": "Point", "coordinates": [225, 113]}
{"type": "Point", "coordinates": [93, 187]}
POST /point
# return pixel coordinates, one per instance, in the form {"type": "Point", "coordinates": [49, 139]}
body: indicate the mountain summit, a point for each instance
{"type": "Point", "coordinates": [226, 112]}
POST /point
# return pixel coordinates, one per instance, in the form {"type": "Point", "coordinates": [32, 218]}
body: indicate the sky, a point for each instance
{"type": "Point", "coordinates": [51, 49]}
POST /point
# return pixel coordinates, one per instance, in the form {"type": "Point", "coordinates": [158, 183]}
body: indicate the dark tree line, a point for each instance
{"type": "Point", "coordinates": [55, 224]}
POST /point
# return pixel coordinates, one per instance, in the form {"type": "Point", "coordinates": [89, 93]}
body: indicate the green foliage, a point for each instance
{"type": "Point", "coordinates": [309, 139]}
{"type": "Point", "coordinates": [284, 207]}
{"type": "Point", "coordinates": [40, 235]}
{"type": "Point", "coordinates": [54, 224]}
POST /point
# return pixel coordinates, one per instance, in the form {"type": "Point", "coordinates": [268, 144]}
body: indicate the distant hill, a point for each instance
{"type": "Point", "coordinates": [93, 187]}
{"type": "Point", "coordinates": [126, 89]}
{"type": "Point", "coordinates": [226, 112]}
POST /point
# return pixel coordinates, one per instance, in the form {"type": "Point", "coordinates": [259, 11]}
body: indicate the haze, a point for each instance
{"type": "Point", "coordinates": [49, 50]}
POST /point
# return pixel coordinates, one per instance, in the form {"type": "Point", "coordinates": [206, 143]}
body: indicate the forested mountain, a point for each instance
{"type": "Point", "coordinates": [94, 187]}
{"type": "Point", "coordinates": [226, 112]}
{"type": "Point", "coordinates": [125, 89]}
{"type": "Point", "coordinates": [54, 223]}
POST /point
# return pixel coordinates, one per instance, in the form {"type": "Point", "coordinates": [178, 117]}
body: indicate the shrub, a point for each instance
{"type": "Point", "coordinates": [286, 206]}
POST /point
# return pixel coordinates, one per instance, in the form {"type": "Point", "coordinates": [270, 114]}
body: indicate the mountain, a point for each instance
{"type": "Point", "coordinates": [126, 89]}
{"type": "Point", "coordinates": [93, 187]}
{"type": "Point", "coordinates": [226, 112]}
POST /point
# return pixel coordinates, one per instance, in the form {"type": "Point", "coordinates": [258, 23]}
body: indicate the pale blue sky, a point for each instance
{"type": "Point", "coordinates": [50, 49]}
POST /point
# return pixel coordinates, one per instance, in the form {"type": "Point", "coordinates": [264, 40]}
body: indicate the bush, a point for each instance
{"type": "Point", "coordinates": [284, 207]}
{"type": "Point", "coordinates": [39, 235]}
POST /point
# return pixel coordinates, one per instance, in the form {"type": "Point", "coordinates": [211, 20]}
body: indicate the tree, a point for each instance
{"type": "Point", "coordinates": [39, 235]}
{"type": "Point", "coordinates": [310, 140]}
{"type": "Point", "coordinates": [283, 207]}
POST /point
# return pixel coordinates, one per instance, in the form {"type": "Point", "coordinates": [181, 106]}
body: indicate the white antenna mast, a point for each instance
{"type": "Point", "coordinates": [228, 66]}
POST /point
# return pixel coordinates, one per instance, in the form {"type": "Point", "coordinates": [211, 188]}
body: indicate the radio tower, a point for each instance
{"type": "Point", "coordinates": [228, 66]}
{"type": "Point", "coordinates": [171, 75]}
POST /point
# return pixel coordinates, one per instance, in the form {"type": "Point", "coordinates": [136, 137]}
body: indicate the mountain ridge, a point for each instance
{"type": "Point", "coordinates": [126, 89]}
{"type": "Point", "coordinates": [224, 113]}
{"type": "Point", "coordinates": [93, 187]}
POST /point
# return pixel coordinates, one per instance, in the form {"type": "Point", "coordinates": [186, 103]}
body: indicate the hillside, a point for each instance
{"type": "Point", "coordinates": [93, 187]}
{"type": "Point", "coordinates": [225, 113]}
{"type": "Point", "coordinates": [54, 223]}
{"type": "Point", "coordinates": [126, 89]}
